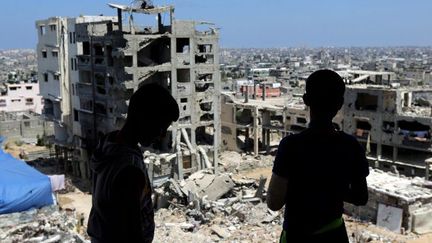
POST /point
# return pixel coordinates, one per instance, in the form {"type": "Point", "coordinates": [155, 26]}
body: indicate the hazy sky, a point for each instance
{"type": "Point", "coordinates": [253, 23]}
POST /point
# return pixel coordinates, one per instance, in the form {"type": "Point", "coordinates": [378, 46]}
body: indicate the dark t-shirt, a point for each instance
{"type": "Point", "coordinates": [319, 165]}
{"type": "Point", "coordinates": [119, 178]}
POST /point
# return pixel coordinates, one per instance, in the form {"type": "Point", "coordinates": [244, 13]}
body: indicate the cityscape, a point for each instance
{"type": "Point", "coordinates": [210, 173]}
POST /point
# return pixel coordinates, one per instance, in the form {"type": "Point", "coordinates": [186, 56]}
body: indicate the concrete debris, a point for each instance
{"type": "Point", "coordinates": [201, 201]}
{"type": "Point", "coordinates": [260, 191]}
{"type": "Point", "coordinates": [205, 184]}
{"type": "Point", "coordinates": [220, 231]}
{"type": "Point", "coordinates": [236, 162]}
{"type": "Point", "coordinates": [236, 222]}
{"type": "Point", "coordinates": [47, 225]}
{"type": "Point", "coordinates": [411, 197]}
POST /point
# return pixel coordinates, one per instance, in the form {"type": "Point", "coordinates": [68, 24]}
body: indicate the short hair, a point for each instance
{"type": "Point", "coordinates": [324, 88]}
{"type": "Point", "coordinates": [152, 103]}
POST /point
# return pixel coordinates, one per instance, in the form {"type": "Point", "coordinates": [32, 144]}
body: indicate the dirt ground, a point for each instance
{"type": "Point", "coordinates": [12, 148]}
{"type": "Point", "coordinates": [79, 201]}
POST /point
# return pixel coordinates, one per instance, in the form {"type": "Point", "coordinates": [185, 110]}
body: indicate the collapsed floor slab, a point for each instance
{"type": "Point", "coordinates": [397, 203]}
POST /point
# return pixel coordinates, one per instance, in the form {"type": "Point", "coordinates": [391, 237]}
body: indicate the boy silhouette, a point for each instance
{"type": "Point", "coordinates": [122, 209]}
{"type": "Point", "coordinates": [317, 170]}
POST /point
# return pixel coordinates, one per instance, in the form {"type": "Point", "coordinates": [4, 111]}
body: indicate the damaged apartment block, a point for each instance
{"type": "Point", "coordinates": [393, 122]}
{"type": "Point", "coordinates": [117, 57]}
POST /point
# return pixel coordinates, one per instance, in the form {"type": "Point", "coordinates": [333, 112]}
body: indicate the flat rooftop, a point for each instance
{"type": "Point", "coordinates": [408, 190]}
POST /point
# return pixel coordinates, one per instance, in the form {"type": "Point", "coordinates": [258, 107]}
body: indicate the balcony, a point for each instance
{"type": "Point", "coordinates": [84, 89]}
{"type": "Point", "coordinates": [415, 140]}
{"type": "Point", "coordinates": [83, 61]}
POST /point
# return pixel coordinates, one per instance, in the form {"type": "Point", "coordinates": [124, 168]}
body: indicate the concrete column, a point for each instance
{"type": "Point", "coordinates": [428, 163]}
{"type": "Point", "coordinates": [379, 151]}
{"type": "Point", "coordinates": [120, 20]}
{"type": "Point", "coordinates": [264, 93]}
{"type": "Point", "coordinates": [247, 95]}
{"type": "Point", "coordinates": [179, 175]}
{"type": "Point", "coordinates": [247, 136]}
{"type": "Point", "coordinates": [83, 169]}
{"type": "Point", "coordinates": [268, 141]}
{"type": "Point", "coordinates": [150, 172]}
{"type": "Point", "coordinates": [284, 120]}
{"type": "Point", "coordinates": [395, 153]}
{"type": "Point", "coordinates": [254, 91]}
{"type": "Point", "coordinates": [255, 127]}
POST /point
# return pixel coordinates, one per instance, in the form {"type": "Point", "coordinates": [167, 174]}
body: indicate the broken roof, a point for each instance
{"type": "Point", "coordinates": [276, 104]}
{"type": "Point", "coordinates": [408, 190]}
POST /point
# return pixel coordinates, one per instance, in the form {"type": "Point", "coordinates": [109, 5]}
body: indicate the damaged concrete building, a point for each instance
{"type": "Point", "coordinates": [58, 74]}
{"type": "Point", "coordinates": [115, 56]}
{"type": "Point", "coordinates": [252, 124]}
{"type": "Point", "coordinates": [393, 122]}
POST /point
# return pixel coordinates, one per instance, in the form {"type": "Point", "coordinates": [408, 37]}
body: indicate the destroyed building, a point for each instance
{"type": "Point", "coordinates": [252, 125]}
{"type": "Point", "coordinates": [393, 122]}
{"type": "Point", "coordinates": [114, 57]}
{"type": "Point", "coordinates": [57, 74]}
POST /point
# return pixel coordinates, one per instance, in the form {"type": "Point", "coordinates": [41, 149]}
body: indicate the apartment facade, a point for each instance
{"type": "Point", "coordinates": [20, 96]}
{"type": "Point", "coordinates": [393, 122]}
{"type": "Point", "coordinates": [119, 58]}
{"type": "Point", "coordinates": [102, 61]}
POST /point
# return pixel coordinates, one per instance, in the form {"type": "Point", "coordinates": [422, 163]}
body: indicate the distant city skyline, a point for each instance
{"type": "Point", "coordinates": [260, 24]}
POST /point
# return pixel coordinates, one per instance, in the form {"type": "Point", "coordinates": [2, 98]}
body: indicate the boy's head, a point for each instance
{"type": "Point", "coordinates": [151, 111]}
{"type": "Point", "coordinates": [324, 93]}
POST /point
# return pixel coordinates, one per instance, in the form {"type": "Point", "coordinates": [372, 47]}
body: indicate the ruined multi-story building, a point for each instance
{"type": "Point", "coordinates": [393, 122]}
{"type": "Point", "coordinates": [112, 58]}
{"type": "Point", "coordinates": [57, 73]}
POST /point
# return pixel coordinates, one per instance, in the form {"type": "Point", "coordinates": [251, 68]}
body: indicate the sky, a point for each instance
{"type": "Point", "coordinates": [253, 23]}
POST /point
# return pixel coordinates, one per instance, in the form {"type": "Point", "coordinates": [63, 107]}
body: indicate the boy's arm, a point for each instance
{"type": "Point", "coordinates": [277, 189]}
{"type": "Point", "coordinates": [358, 192]}
{"type": "Point", "coordinates": [276, 192]}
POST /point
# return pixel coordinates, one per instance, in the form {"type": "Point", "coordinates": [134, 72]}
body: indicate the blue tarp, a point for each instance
{"type": "Point", "coordinates": [21, 186]}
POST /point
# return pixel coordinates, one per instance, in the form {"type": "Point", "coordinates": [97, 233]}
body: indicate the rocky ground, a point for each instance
{"type": "Point", "coordinates": [202, 208]}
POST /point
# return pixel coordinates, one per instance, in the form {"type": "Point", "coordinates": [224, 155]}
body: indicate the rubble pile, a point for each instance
{"type": "Point", "coordinates": [366, 236]}
{"type": "Point", "coordinates": [215, 206]}
{"type": "Point", "coordinates": [47, 225]}
{"type": "Point", "coordinates": [235, 162]}
{"type": "Point", "coordinates": [241, 222]}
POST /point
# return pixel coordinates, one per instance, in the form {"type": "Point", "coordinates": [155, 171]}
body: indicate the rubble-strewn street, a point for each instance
{"type": "Point", "coordinates": [229, 207]}
{"type": "Point", "coordinates": [46, 225]}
